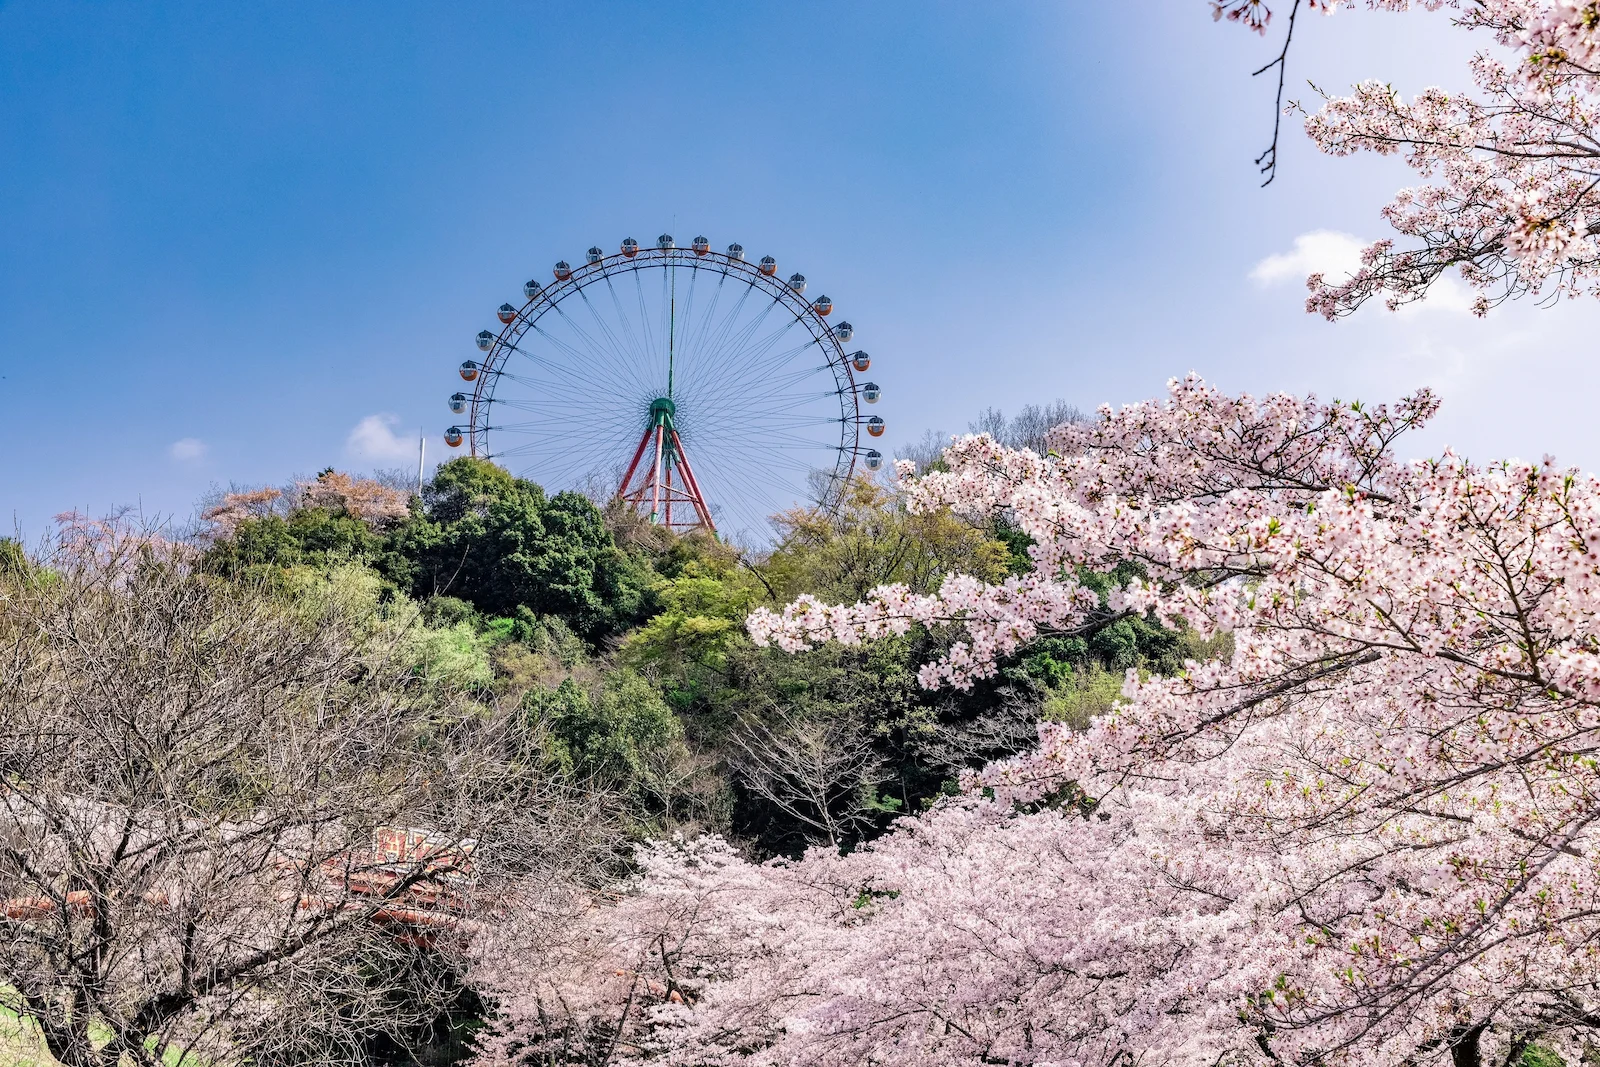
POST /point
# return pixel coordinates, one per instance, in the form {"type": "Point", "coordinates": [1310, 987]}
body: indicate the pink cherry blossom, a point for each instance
{"type": "Point", "coordinates": [1367, 837]}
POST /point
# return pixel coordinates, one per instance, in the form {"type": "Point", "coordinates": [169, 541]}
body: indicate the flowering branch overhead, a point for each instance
{"type": "Point", "coordinates": [1513, 168]}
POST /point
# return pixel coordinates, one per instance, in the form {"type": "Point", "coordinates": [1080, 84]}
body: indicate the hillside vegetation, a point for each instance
{"type": "Point", "coordinates": [542, 684]}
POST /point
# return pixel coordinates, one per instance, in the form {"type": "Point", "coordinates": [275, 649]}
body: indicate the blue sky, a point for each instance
{"type": "Point", "coordinates": [230, 235]}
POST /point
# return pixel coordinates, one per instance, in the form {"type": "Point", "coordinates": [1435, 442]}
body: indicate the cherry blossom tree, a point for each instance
{"type": "Point", "coordinates": [1365, 837]}
{"type": "Point", "coordinates": [223, 519]}
{"type": "Point", "coordinates": [377, 505]}
{"type": "Point", "coordinates": [1511, 167]}
{"type": "Point", "coordinates": [371, 501]}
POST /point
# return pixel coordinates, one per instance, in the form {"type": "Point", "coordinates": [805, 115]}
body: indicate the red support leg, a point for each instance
{"type": "Point", "coordinates": [698, 498]}
{"type": "Point", "coordinates": [653, 486]}
{"type": "Point", "coordinates": [638, 454]}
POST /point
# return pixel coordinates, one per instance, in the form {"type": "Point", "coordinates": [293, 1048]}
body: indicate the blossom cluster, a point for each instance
{"type": "Point", "coordinates": [370, 501]}
{"type": "Point", "coordinates": [1367, 836]}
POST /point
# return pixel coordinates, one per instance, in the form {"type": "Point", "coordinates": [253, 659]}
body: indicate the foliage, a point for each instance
{"type": "Point", "coordinates": [1364, 836]}
{"type": "Point", "coordinates": [620, 652]}
{"type": "Point", "coordinates": [874, 540]}
{"type": "Point", "coordinates": [1539, 1056]}
{"type": "Point", "coordinates": [500, 543]}
{"type": "Point", "coordinates": [619, 731]}
{"type": "Point", "coordinates": [699, 618]}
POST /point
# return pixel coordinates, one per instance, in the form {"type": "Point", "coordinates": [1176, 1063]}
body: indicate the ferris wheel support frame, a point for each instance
{"type": "Point", "coordinates": [656, 480]}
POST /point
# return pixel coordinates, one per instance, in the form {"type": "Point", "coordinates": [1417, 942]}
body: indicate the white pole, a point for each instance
{"type": "Point", "coordinates": [422, 451]}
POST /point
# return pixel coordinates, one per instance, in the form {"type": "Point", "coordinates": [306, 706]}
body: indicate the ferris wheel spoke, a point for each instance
{"type": "Point", "coordinates": [750, 352]}
{"type": "Point", "coordinates": [789, 355]}
{"type": "Point", "coordinates": [520, 379]}
{"type": "Point", "coordinates": [561, 391]}
{"type": "Point", "coordinates": [748, 489]}
{"type": "Point", "coordinates": [794, 407]}
{"type": "Point", "coordinates": [572, 433]}
{"type": "Point", "coordinates": [644, 319]}
{"type": "Point", "coordinates": [636, 338]}
{"type": "Point", "coordinates": [584, 385]}
{"type": "Point", "coordinates": [744, 341]}
{"type": "Point", "coordinates": [692, 340]}
{"type": "Point", "coordinates": [550, 338]}
{"type": "Point", "coordinates": [766, 435]}
{"type": "Point", "coordinates": [557, 466]}
{"type": "Point", "coordinates": [770, 466]}
{"type": "Point", "coordinates": [579, 371]}
{"type": "Point", "coordinates": [602, 355]}
{"type": "Point", "coordinates": [722, 328]}
{"type": "Point", "coordinates": [556, 402]}
{"type": "Point", "coordinates": [686, 316]}
{"type": "Point", "coordinates": [753, 354]}
{"type": "Point", "coordinates": [552, 403]}
{"type": "Point", "coordinates": [702, 358]}
{"type": "Point", "coordinates": [559, 406]}
{"type": "Point", "coordinates": [614, 346]}
{"type": "Point", "coordinates": [736, 504]}
{"type": "Point", "coordinates": [773, 440]}
{"type": "Point", "coordinates": [804, 349]}
{"type": "Point", "coordinates": [733, 389]}
{"type": "Point", "coordinates": [586, 422]}
{"type": "Point", "coordinates": [769, 452]}
{"type": "Point", "coordinates": [607, 359]}
{"type": "Point", "coordinates": [808, 404]}
{"type": "Point", "coordinates": [763, 405]}
{"type": "Point", "coordinates": [594, 351]}
{"type": "Point", "coordinates": [735, 339]}
{"type": "Point", "coordinates": [772, 418]}
{"type": "Point", "coordinates": [668, 277]}
{"type": "Point", "coordinates": [556, 463]}
{"type": "Point", "coordinates": [587, 384]}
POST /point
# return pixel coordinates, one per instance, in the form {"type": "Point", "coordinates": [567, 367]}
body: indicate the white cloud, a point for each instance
{"type": "Point", "coordinates": [1334, 254]}
{"type": "Point", "coordinates": [374, 439]}
{"type": "Point", "coordinates": [188, 450]}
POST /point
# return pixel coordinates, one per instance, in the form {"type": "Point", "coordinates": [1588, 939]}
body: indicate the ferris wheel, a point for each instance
{"type": "Point", "coordinates": [698, 388]}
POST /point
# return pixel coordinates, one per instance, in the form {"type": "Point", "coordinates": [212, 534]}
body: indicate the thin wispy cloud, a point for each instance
{"type": "Point", "coordinates": [374, 439]}
{"type": "Point", "coordinates": [188, 450]}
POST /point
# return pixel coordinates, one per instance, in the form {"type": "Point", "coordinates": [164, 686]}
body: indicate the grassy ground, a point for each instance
{"type": "Point", "coordinates": [21, 1045]}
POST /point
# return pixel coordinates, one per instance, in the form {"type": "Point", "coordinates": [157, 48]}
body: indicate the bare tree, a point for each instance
{"type": "Point", "coordinates": [819, 770]}
{"type": "Point", "coordinates": [230, 822]}
{"type": "Point", "coordinates": [1029, 427]}
{"type": "Point", "coordinates": [925, 452]}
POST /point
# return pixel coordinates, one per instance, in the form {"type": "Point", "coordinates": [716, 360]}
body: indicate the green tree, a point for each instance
{"type": "Point", "coordinates": [617, 732]}
{"type": "Point", "coordinates": [500, 543]}
{"type": "Point", "coordinates": [871, 540]}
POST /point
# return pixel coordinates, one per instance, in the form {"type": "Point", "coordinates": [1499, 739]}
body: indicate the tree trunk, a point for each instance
{"type": "Point", "coordinates": [1464, 1050]}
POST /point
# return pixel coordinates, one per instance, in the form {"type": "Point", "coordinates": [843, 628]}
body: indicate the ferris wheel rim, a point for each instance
{"type": "Point", "coordinates": [571, 282]}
